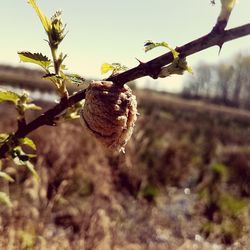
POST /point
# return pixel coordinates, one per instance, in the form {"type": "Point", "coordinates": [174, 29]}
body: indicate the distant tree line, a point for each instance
{"type": "Point", "coordinates": [226, 83]}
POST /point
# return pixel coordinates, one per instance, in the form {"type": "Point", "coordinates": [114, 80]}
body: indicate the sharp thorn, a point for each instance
{"type": "Point", "coordinates": [140, 62]}
{"type": "Point", "coordinates": [220, 48]}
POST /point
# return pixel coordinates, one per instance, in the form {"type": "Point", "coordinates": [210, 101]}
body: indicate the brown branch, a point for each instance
{"type": "Point", "coordinates": [151, 68]}
{"type": "Point", "coordinates": [46, 118]}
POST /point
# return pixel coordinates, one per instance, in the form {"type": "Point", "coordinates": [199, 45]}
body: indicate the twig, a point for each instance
{"type": "Point", "coordinates": [151, 68]}
{"type": "Point", "coordinates": [46, 118]}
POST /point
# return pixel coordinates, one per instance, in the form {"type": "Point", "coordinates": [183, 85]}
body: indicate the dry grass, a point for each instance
{"type": "Point", "coordinates": [88, 199]}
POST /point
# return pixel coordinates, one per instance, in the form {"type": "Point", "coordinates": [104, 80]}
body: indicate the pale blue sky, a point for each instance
{"type": "Point", "coordinates": [115, 31]}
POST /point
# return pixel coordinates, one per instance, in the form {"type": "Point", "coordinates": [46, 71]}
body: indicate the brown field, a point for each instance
{"type": "Point", "coordinates": [184, 183]}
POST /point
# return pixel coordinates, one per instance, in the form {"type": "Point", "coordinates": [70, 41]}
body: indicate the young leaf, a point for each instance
{"type": "Point", "coordinates": [114, 67]}
{"type": "Point", "coordinates": [55, 79]}
{"type": "Point", "coordinates": [75, 78]}
{"type": "Point", "coordinates": [61, 59]}
{"type": "Point", "coordinates": [9, 96]}
{"type": "Point", "coordinates": [6, 176]}
{"type": "Point", "coordinates": [31, 106]}
{"type": "Point", "coordinates": [149, 45]}
{"type": "Point", "coordinates": [44, 20]}
{"type": "Point", "coordinates": [106, 67]}
{"type": "Point", "coordinates": [23, 160]}
{"type": "Point", "coordinates": [3, 137]}
{"type": "Point", "coordinates": [31, 168]}
{"type": "Point", "coordinates": [57, 30]}
{"type": "Point", "coordinates": [5, 199]}
{"type": "Point", "coordinates": [36, 58]}
{"type": "Point", "coordinates": [20, 158]}
{"type": "Point", "coordinates": [178, 66]}
{"type": "Point", "coordinates": [27, 141]}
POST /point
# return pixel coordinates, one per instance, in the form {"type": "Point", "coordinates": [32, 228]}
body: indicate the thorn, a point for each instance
{"type": "Point", "coordinates": [220, 47]}
{"type": "Point", "coordinates": [140, 62]}
{"type": "Point", "coordinates": [149, 70]}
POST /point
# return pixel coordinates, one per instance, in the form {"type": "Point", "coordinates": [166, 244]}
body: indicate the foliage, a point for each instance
{"type": "Point", "coordinates": [224, 210]}
{"type": "Point", "coordinates": [154, 156]}
{"type": "Point", "coordinates": [35, 58]}
{"type": "Point", "coordinates": [55, 30]}
{"type": "Point", "coordinates": [45, 21]}
{"type": "Point", "coordinates": [115, 68]}
{"type": "Point", "coordinates": [149, 45]}
{"type": "Point", "coordinates": [6, 176]}
{"type": "Point", "coordinates": [22, 103]}
{"type": "Point", "coordinates": [181, 145]}
{"type": "Point", "coordinates": [178, 66]}
{"type": "Point", "coordinates": [5, 199]}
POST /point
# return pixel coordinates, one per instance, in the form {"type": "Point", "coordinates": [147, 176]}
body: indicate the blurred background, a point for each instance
{"type": "Point", "coordinates": [184, 181]}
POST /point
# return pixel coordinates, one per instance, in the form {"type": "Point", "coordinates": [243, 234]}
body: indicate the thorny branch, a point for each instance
{"type": "Point", "coordinates": [151, 68]}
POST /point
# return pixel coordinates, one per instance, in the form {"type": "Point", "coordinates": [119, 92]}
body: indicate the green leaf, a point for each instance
{"type": "Point", "coordinates": [75, 78]}
{"type": "Point", "coordinates": [20, 158]}
{"type": "Point", "coordinates": [6, 176]}
{"type": "Point", "coordinates": [36, 58]}
{"type": "Point", "coordinates": [106, 67]}
{"type": "Point", "coordinates": [53, 78]}
{"type": "Point", "coordinates": [31, 106]}
{"type": "Point", "coordinates": [9, 96]}
{"type": "Point", "coordinates": [5, 199]}
{"type": "Point", "coordinates": [27, 141]}
{"type": "Point", "coordinates": [61, 59]}
{"type": "Point", "coordinates": [178, 67]}
{"type": "Point", "coordinates": [114, 67]}
{"type": "Point", "coordinates": [23, 161]}
{"type": "Point", "coordinates": [31, 168]}
{"type": "Point", "coordinates": [44, 20]}
{"type": "Point", "coordinates": [63, 67]}
{"type": "Point", "coordinates": [149, 45]}
{"type": "Point", "coordinates": [57, 30]}
{"type": "Point", "coordinates": [3, 137]}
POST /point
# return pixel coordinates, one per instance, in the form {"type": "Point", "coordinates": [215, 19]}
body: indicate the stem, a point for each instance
{"type": "Point", "coordinates": [144, 69]}
{"type": "Point", "coordinates": [54, 56]}
{"type": "Point", "coordinates": [152, 67]}
{"type": "Point", "coordinates": [46, 118]}
{"type": "Point", "coordinates": [62, 86]}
